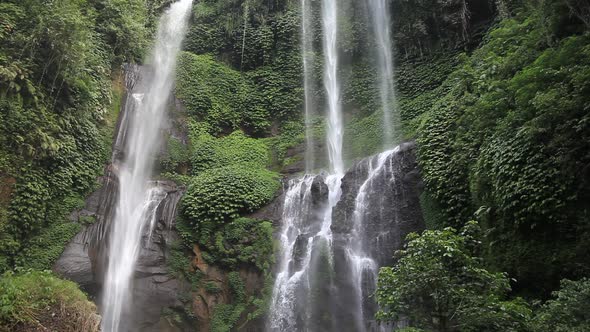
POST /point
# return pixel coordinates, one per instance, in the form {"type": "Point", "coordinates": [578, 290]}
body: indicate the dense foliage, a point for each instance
{"type": "Point", "coordinates": [58, 104]}
{"type": "Point", "coordinates": [507, 143]}
{"type": "Point", "coordinates": [233, 149]}
{"type": "Point", "coordinates": [440, 284]}
{"type": "Point", "coordinates": [219, 95]}
{"type": "Point", "coordinates": [60, 93]}
{"type": "Point", "coordinates": [568, 311]}
{"type": "Point", "coordinates": [503, 132]}
{"type": "Point", "coordinates": [221, 194]}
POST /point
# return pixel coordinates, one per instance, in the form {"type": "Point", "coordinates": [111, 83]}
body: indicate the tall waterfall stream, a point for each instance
{"type": "Point", "coordinates": [138, 198]}
{"type": "Point", "coordinates": [329, 244]}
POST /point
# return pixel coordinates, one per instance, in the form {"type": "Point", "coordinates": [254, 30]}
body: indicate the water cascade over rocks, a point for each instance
{"type": "Point", "coordinates": [121, 255]}
{"type": "Point", "coordinates": [138, 199]}
{"type": "Point", "coordinates": [307, 216]}
{"type": "Point", "coordinates": [339, 227]}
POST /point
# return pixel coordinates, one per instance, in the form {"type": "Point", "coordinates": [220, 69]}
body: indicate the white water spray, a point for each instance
{"type": "Point", "coordinates": [304, 235]}
{"type": "Point", "coordinates": [138, 200]}
{"type": "Point", "coordinates": [283, 315]}
{"type": "Point", "coordinates": [332, 85]}
{"type": "Point", "coordinates": [381, 22]}
{"type": "Point", "coordinates": [308, 86]}
{"type": "Point", "coordinates": [363, 268]}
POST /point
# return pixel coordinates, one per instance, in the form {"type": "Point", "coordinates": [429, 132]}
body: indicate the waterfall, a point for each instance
{"type": "Point", "coordinates": [381, 22]}
{"type": "Point", "coordinates": [306, 235]}
{"type": "Point", "coordinates": [364, 268]}
{"type": "Point", "coordinates": [308, 86]}
{"type": "Point", "coordinates": [332, 85]}
{"type": "Point", "coordinates": [294, 257]}
{"type": "Point", "coordinates": [138, 199]}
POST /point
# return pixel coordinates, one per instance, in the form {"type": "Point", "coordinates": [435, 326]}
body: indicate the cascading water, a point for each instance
{"type": "Point", "coordinates": [381, 22]}
{"type": "Point", "coordinates": [332, 85]}
{"type": "Point", "coordinates": [138, 198]}
{"type": "Point", "coordinates": [306, 236]}
{"type": "Point", "coordinates": [308, 86]}
{"type": "Point", "coordinates": [293, 271]}
{"type": "Point", "coordinates": [364, 268]}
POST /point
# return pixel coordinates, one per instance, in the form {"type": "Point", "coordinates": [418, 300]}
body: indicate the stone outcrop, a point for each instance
{"type": "Point", "coordinates": [393, 203]}
{"type": "Point", "coordinates": [153, 287]}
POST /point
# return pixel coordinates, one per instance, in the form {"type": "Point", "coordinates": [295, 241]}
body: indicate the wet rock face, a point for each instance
{"type": "Point", "coordinates": [379, 206]}
{"type": "Point", "coordinates": [392, 203]}
{"type": "Point", "coordinates": [86, 256]}
{"type": "Point", "coordinates": [153, 288]}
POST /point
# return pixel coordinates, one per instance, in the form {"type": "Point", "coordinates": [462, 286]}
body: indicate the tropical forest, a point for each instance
{"type": "Point", "coordinates": [295, 165]}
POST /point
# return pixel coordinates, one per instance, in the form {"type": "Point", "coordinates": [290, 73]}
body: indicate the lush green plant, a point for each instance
{"type": "Point", "coordinates": [244, 241]}
{"type": "Point", "coordinates": [44, 249]}
{"type": "Point", "coordinates": [177, 155]}
{"type": "Point", "coordinates": [225, 316]}
{"type": "Point", "coordinates": [568, 311]}
{"type": "Point", "coordinates": [122, 25]}
{"type": "Point", "coordinates": [439, 283]}
{"type": "Point", "coordinates": [179, 265]}
{"type": "Point", "coordinates": [234, 149]}
{"type": "Point", "coordinates": [218, 95]}
{"type": "Point", "coordinates": [31, 300]}
{"type": "Point", "coordinates": [220, 195]}
{"type": "Point", "coordinates": [506, 142]}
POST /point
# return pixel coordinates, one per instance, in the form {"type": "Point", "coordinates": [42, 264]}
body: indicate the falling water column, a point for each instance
{"type": "Point", "coordinates": [136, 201]}
{"type": "Point", "coordinates": [308, 86]}
{"type": "Point", "coordinates": [364, 268]}
{"type": "Point", "coordinates": [381, 22]}
{"type": "Point", "coordinates": [332, 85]}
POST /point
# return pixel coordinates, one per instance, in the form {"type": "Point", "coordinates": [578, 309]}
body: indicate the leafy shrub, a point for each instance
{"type": "Point", "coordinates": [438, 282]}
{"type": "Point", "coordinates": [225, 316]}
{"type": "Point", "coordinates": [218, 95]}
{"type": "Point", "coordinates": [221, 194]}
{"type": "Point", "coordinates": [44, 249]}
{"type": "Point", "coordinates": [233, 149]}
{"type": "Point", "coordinates": [568, 311]}
{"type": "Point", "coordinates": [244, 240]}
{"type": "Point", "coordinates": [177, 154]}
{"type": "Point", "coordinates": [179, 265]}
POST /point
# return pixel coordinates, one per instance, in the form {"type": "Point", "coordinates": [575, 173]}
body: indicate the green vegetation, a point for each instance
{"type": "Point", "coordinates": [233, 149]}
{"type": "Point", "coordinates": [439, 284]}
{"type": "Point", "coordinates": [60, 93]}
{"type": "Point", "coordinates": [507, 143]}
{"type": "Point", "coordinates": [218, 95]}
{"type": "Point", "coordinates": [501, 119]}
{"type": "Point", "coordinates": [219, 195]}
{"type": "Point", "coordinates": [57, 112]}
{"type": "Point", "coordinates": [502, 138]}
{"type": "Point", "coordinates": [567, 311]}
{"type": "Point", "coordinates": [55, 107]}
{"type": "Point", "coordinates": [233, 105]}
{"type": "Point", "coordinates": [244, 241]}
{"type": "Point", "coordinates": [33, 300]}
{"type": "Point", "coordinates": [242, 71]}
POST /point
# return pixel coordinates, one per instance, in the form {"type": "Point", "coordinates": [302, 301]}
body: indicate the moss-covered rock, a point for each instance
{"type": "Point", "coordinates": [33, 300]}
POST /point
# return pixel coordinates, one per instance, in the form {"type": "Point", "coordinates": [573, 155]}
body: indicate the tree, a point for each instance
{"type": "Point", "coordinates": [440, 284]}
{"type": "Point", "coordinates": [568, 312]}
